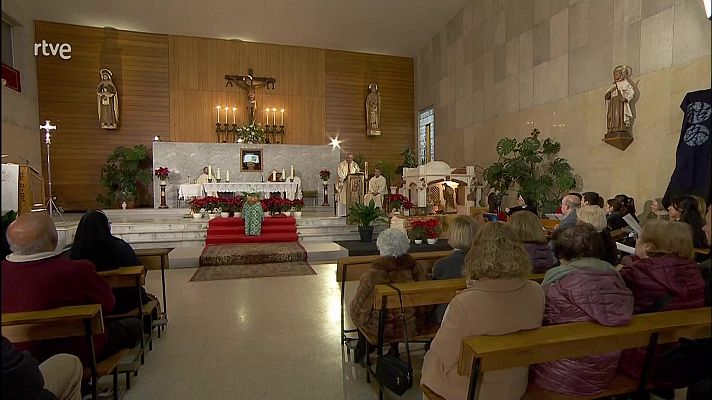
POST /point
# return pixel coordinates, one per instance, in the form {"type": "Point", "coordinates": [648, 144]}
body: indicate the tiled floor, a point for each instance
{"type": "Point", "coordinates": [268, 338]}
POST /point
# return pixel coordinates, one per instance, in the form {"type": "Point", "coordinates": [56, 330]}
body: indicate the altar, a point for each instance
{"type": "Point", "coordinates": [185, 162]}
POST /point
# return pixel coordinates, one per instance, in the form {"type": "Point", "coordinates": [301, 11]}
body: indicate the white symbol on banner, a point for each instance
{"type": "Point", "coordinates": [698, 112]}
{"type": "Point", "coordinates": [696, 135]}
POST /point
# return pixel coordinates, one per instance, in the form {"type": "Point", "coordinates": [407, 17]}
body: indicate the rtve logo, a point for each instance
{"type": "Point", "coordinates": [64, 49]}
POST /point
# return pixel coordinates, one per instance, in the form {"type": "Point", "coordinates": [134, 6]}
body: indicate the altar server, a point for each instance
{"type": "Point", "coordinates": [376, 189]}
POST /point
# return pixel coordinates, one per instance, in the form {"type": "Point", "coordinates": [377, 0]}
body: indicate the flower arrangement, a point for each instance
{"type": "Point", "coordinates": [162, 173]}
{"type": "Point", "coordinates": [417, 233]}
{"type": "Point", "coordinates": [276, 205]}
{"type": "Point", "coordinates": [431, 227]}
{"type": "Point", "coordinates": [298, 204]}
{"type": "Point", "coordinates": [325, 174]}
{"type": "Point", "coordinates": [232, 204]}
{"type": "Point", "coordinates": [208, 203]}
{"type": "Point", "coordinates": [252, 133]}
{"type": "Point", "coordinates": [398, 201]}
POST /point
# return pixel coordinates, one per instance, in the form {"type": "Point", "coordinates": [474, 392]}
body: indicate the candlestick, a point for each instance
{"type": "Point", "coordinates": [267, 115]}
{"type": "Point", "coordinates": [284, 175]}
{"type": "Point", "coordinates": [218, 107]}
{"type": "Point", "coordinates": [274, 116]}
{"type": "Point", "coordinates": [291, 171]}
{"type": "Point", "coordinates": [227, 175]}
{"type": "Point", "coordinates": [218, 173]}
{"type": "Point", "coordinates": [274, 176]}
{"type": "Point", "coordinates": [233, 114]}
{"type": "Point", "coordinates": [282, 111]}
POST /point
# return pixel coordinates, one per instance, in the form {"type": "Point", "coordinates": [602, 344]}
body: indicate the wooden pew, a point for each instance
{"type": "Point", "coordinates": [487, 353]}
{"type": "Point", "coordinates": [65, 322]}
{"type": "Point", "coordinates": [149, 257]}
{"type": "Point", "coordinates": [126, 277]}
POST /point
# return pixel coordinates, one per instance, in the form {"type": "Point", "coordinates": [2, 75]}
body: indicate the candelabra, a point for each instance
{"type": "Point", "coordinates": [51, 205]}
{"type": "Point", "coordinates": [275, 132]}
{"type": "Point", "coordinates": [226, 132]}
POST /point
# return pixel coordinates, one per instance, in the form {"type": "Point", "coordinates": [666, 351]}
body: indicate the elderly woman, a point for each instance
{"type": "Point", "coordinates": [530, 232]}
{"type": "Point", "coordinates": [596, 217]}
{"type": "Point", "coordinates": [584, 288]}
{"type": "Point", "coordinates": [394, 266]}
{"type": "Point", "coordinates": [499, 300]}
{"type": "Point", "coordinates": [462, 230]}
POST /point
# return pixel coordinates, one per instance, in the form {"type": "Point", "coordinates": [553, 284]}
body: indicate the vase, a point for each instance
{"type": "Point", "coordinates": [197, 215]}
{"type": "Point", "coordinates": [266, 213]}
{"type": "Point", "coordinates": [325, 183]}
{"type": "Point", "coordinates": [163, 182]}
{"type": "Point", "coordinates": [287, 213]}
{"type": "Point", "coordinates": [297, 214]}
{"type": "Point", "coordinates": [238, 214]}
{"type": "Point", "coordinates": [418, 241]}
{"type": "Point", "coordinates": [224, 214]}
{"type": "Point", "coordinates": [212, 215]}
{"type": "Point", "coordinates": [432, 241]}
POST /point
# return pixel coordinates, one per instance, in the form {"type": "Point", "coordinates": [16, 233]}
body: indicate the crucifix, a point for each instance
{"type": "Point", "coordinates": [51, 206]}
{"type": "Point", "coordinates": [250, 83]}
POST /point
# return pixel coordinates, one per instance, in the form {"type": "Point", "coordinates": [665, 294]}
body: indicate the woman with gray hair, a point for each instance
{"type": "Point", "coordinates": [394, 266]}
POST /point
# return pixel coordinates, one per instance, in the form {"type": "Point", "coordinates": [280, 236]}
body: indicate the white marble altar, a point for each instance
{"type": "Point", "coordinates": [188, 159]}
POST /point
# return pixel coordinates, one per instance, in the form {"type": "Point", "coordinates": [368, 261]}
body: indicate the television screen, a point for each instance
{"type": "Point", "coordinates": [251, 158]}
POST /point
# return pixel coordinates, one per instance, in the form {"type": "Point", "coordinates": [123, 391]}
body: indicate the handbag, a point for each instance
{"type": "Point", "coordinates": [391, 371]}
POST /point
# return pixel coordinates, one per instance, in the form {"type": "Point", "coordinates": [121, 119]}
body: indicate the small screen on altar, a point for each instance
{"type": "Point", "coordinates": [251, 158]}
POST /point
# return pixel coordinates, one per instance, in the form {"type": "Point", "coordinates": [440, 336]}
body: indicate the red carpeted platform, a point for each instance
{"type": "Point", "coordinates": [232, 230]}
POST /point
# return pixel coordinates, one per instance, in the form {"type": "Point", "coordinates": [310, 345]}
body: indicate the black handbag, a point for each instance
{"type": "Point", "coordinates": [391, 371]}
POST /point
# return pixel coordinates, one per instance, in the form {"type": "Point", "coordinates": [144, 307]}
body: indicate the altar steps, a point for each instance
{"type": "Point", "coordinates": [232, 230]}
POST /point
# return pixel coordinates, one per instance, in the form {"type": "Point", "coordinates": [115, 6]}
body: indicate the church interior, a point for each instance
{"type": "Point", "coordinates": [274, 199]}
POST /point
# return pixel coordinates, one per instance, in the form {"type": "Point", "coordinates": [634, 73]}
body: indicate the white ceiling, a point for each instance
{"type": "Point", "coordinates": [395, 27]}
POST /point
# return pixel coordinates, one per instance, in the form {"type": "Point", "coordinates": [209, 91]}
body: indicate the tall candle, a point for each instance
{"type": "Point", "coordinates": [226, 110]}
{"type": "Point", "coordinates": [227, 175]}
{"type": "Point", "coordinates": [284, 175]}
{"type": "Point", "coordinates": [267, 116]}
{"type": "Point", "coordinates": [274, 116]}
{"type": "Point", "coordinates": [218, 108]}
{"type": "Point", "coordinates": [291, 171]}
{"type": "Point", "coordinates": [233, 114]}
{"type": "Point", "coordinates": [218, 173]}
{"type": "Point", "coordinates": [210, 170]}
{"type": "Point", "coordinates": [274, 176]}
{"type": "Point", "coordinates": [282, 111]}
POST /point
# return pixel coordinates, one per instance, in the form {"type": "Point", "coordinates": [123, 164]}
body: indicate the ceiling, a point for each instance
{"type": "Point", "coordinates": [394, 27]}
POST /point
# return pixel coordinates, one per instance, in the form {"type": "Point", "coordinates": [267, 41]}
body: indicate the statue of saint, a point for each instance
{"type": "Point", "coordinates": [373, 111]}
{"type": "Point", "coordinates": [619, 116]}
{"type": "Point", "coordinates": [107, 101]}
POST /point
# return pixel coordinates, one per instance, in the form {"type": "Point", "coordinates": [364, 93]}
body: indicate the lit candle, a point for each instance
{"type": "Point", "coordinates": [210, 171]}
{"type": "Point", "coordinates": [218, 108]}
{"type": "Point", "coordinates": [282, 111]}
{"type": "Point", "coordinates": [226, 109]}
{"type": "Point", "coordinates": [274, 176]}
{"type": "Point", "coordinates": [274, 116]}
{"type": "Point", "coordinates": [233, 114]}
{"type": "Point", "coordinates": [291, 171]}
{"type": "Point", "coordinates": [227, 175]}
{"type": "Point", "coordinates": [218, 174]}
{"type": "Point", "coordinates": [267, 116]}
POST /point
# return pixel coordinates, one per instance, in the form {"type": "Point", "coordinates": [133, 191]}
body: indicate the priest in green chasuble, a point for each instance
{"type": "Point", "coordinates": [253, 214]}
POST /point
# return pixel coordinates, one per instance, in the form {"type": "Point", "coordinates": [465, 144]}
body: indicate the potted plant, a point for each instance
{"type": "Point", "coordinates": [365, 215]}
{"type": "Point", "coordinates": [124, 171]}
{"type": "Point", "coordinates": [162, 174]}
{"type": "Point", "coordinates": [428, 228]}
{"type": "Point", "coordinates": [196, 205]}
{"type": "Point", "coordinates": [298, 204]}
{"type": "Point", "coordinates": [417, 233]}
{"type": "Point", "coordinates": [397, 202]}
{"type": "Point", "coordinates": [325, 174]}
{"type": "Point", "coordinates": [225, 207]}
{"type": "Point", "coordinates": [234, 206]}
{"type": "Point", "coordinates": [212, 206]}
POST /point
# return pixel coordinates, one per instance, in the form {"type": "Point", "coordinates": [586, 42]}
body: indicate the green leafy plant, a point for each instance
{"type": "Point", "coordinates": [417, 233]}
{"type": "Point", "coordinates": [409, 158]}
{"type": "Point", "coordinates": [388, 170]}
{"type": "Point", "coordinates": [252, 133]}
{"type": "Point", "coordinates": [365, 215]}
{"type": "Point", "coordinates": [534, 166]}
{"type": "Point", "coordinates": [125, 170]}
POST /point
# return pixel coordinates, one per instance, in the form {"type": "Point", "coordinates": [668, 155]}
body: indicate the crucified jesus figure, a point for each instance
{"type": "Point", "coordinates": [250, 83]}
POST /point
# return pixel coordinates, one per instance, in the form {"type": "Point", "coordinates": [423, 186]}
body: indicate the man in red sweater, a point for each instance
{"type": "Point", "coordinates": [37, 277]}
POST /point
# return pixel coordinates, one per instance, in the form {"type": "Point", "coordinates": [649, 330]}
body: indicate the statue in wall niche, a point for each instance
{"type": "Point", "coordinates": [373, 111]}
{"type": "Point", "coordinates": [619, 96]}
{"type": "Point", "coordinates": [107, 101]}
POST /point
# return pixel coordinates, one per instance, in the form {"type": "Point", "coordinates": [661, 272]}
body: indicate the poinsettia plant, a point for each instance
{"type": "Point", "coordinates": [325, 174]}
{"type": "Point", "coordinates": [208, 203]}
{"type": "Point", "coordinates": [398, 201]}
{"type": "Point", "coordinates": [431, 226]}
{"type": "Point", "coordinates": [276, 205]}
{"type": "Point", "coordinates": [298, 204]}
{"type": "Point", "coordinates": [162, 173]}
{"type": "Point", "coordinates": [231, 204]}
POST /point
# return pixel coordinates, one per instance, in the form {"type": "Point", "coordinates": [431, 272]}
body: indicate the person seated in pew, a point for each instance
{"type": "Point", "coordinates": [394, 266]}
{"type": "Point", "coordinates": [523, 204]}
{"type": "Point", "coordinates": [620, 206]}
{"type": "Point", "coordinates": [591, 199]}
{"type": "Point", "coordinates": [706, 266]}
{"type": "Point", "coordinates": [686, 209]}
{"type": "Point", "coordinates": [499, 300]}
{"type": "Point", "coordinates": [529, 231]}
{"type": "Point", "coordinates": [662, 277]}
{"type": "Point", "coordinates": [93, 241]}
{"type": "Point", "coordinates": [36, 277]}
{"type": "Point", "coordinates": [58, 378]}
{"type": "Point", "coordinates": [583, 288]}
{"type": "Point", "coordinates": [462, 230]}
{"type": "Point", "coordinates": [595, 216]}
{"type": "Point", "coordinates": [569, 206]}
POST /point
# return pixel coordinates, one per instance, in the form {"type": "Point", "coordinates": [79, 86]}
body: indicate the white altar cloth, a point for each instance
{"type": "Point", "coordinates": [187, 191]}
{"type": "Point", "coordinates": [262, 187]}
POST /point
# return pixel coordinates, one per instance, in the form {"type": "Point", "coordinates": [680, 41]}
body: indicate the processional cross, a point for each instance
{"type": "Point", "coordinates": [250, 83]}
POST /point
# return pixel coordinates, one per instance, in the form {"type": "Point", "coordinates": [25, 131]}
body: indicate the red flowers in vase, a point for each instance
{"type": "Point", "coordinates": [324, 174]}
{"type": "Point", "coordinates": [276, 205]}
{"type": "Point", "coordinates": [398, 201]}
{"type": "Point", "coordinates": [431, 226]}
{"type": "Point", "coordinates": [162, 173]}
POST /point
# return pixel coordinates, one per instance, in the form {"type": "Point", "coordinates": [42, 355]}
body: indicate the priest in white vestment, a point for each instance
{"type": "Point", "coordinates": [203, 179]}
{"type": "Point", "coordinates": [376, 189]}
{"type": "Point", "coordinates": [346, 167]}
{"type": "Point", "coordinates": [298, 194]}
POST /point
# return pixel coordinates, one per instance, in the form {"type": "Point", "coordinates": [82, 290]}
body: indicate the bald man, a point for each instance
{"type": "Point", "coordinates": [569, 204]}
{"type": "Point", "coordinates": [36, 277]}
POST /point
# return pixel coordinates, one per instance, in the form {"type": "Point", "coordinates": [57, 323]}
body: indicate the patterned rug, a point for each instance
{"type": "Point", "coordinates": [255, 260]}
{"type": "Point", "coordinates": [247, 271]}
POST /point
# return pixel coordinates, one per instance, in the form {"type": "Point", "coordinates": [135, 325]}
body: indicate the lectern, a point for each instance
{"type": "Point", "coordinates": [353, 185]}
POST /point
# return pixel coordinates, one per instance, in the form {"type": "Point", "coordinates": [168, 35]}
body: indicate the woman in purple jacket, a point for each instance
{"type": "Point", "coordinates": [583, 288]}
{"type": "Point", "coordinates": [530, 232]}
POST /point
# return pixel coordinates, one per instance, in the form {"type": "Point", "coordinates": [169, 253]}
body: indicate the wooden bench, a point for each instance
{"type": "Point", "coordinates": [65, 322]}
{"type": "Point", "coordinates": [488, 353]}
{"type": "Point", "coordinates": [148, 257]}
{"type": "Point", "coordinates": [126, 277]}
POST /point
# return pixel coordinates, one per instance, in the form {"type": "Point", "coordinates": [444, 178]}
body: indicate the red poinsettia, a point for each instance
{"type": "Point", "coordinates": [208, 203]}
{"type": "Point", "coordinates": [298, 204]}
{"type": "Point", "coordinates": [162, 173]}
{"type": "Point", "coordinates": [431, 226]}
{"type": "Point", "coordinates": [398, 201]}
{"type": "Point", "coordinates": [324, 174]}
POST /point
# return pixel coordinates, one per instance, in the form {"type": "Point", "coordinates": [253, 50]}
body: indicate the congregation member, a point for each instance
{"type": "Point", "coordinates": [57, 378]}
{"type": "Point", "coordinates": [523, 204]}
{"type": "Point", "coordinates": [462, 230]}
{"type": "Point", "coordinates": [620, 206]}
{"type": "Point", "coordinates": [377, 189]}
{"type": "Point", "coordinates": [595, 216]}
{"type": "Point", "coordinates": [591, 199]}
{"type": "Point", "coordinates": [499, 300]}
{"type": "Point", "coordinates": [662, 277]}
{"type": "Point", "coordinates": [93, 241]}
{"type": "Point", "coordinates": [529, 231]}
{"type": "Point", "coordinates": [394, 266]}
{"type": "Point", "coordinates": [36, 277]}
{"type": "Point", "coordinates": [686, 209]}
{"type": "Point", "coordinates": [652, 210]}
{"type": "Point", "coordinates": [584, 288]}
{"type": "Point", "coordinates": [569, 206]}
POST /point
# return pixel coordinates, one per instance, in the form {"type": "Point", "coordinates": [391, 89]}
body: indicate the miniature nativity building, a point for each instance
{"type": "Point", "coordinates": [441, 189]}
